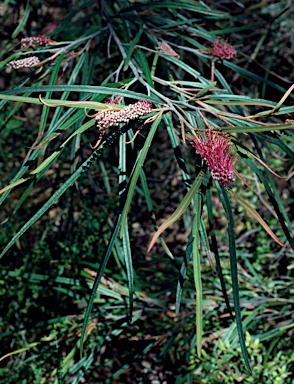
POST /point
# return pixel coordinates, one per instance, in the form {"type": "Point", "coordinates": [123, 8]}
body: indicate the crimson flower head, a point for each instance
{"type": "Point", "coordinates": [214, 148]}
{"type": "Point", "coordinates": [222, 50]}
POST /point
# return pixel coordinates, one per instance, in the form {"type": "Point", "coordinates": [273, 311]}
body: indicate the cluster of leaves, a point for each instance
{"type": "Point", "coordinates": [225, 354]}
{"type": "Point", "coordinates": [76, 216]}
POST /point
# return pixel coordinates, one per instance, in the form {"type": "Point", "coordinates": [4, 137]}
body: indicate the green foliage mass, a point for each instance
{"type": "Point", "coordinates": [82, 299]}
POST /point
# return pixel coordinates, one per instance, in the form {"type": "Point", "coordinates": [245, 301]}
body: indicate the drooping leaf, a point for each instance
{"type": "Point", "coordinates": [234, 274]}
{"type": "Point", "coordinates": [252, 212]}
{"type": "Point", "coordinates": [180, 210]}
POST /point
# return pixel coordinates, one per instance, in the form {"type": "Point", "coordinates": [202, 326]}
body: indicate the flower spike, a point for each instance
{"type": "Point", "coordinates": [131, 112]}
{"type": "Point", "coordinates": [214, 148]}
{"type": "Point", "coordinates": [35, 41]}
{"type": "Point", "coordinates": [28, 62]}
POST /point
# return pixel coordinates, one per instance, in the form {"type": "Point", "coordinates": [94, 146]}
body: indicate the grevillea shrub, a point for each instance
{"type": "Point", "coordinates": [193, 155]}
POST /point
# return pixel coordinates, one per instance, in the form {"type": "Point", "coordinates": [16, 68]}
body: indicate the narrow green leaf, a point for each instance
{"type": "Point", "coordinates": [108, 251]}
{"type": "Point", "coordinates": [52, 81]}
{"type": "Point", "coordinates": [197, 271]}
{"type": "Point", "coordinates": [180, 210]}
{"type": "Point", "coordinates": [23, 81]}
{"type": "Point", "coordinates": [234, 274]}
{"type": "Point", "coordinates": [186, 67]}
{"type": "Point", "coordinates": [136, 170]}
{"type": "Point", "coordinates": [125, 240]}
{"type": "Point", "coordinates": [275, 200]}
{"type": "Point", "coordinates": [20, 350]}
{"type": "Point", "coordinates": [275, 139]}
{"type": "Point", "coordinates": [3, 63]}
{"type": "Point", "coordinates": [177, 150]}
{"type": "Point", "coordinates": [23, 20]}
{"type": "Point", "coordinates": [54, 102]}
{"type": "Point", "coordinates": [86, 363]}
{"type": "Point", "coordinates": [222, 80]}
{"type": "Point", "coordinates": [99, 274]}
{"type": "Point", "coordinates": [257, 128]}
{"type": "Point", "coordinates": [245, 102]}
{"type": "Point", "coordinates": [129, 266]}
{"type": "Point", "coordinates": [252, 75]}
{"type": "Point", "coordinates": [82, 88]}
{"type": "Point", "coordinates": [49, 160]}
{"type": "Point", "coordinates": [252, 212]}
{"type": "Point", "coordinates": [183, 272]}
{"type": "Point", "coordinates": [145, 67]}
{"type": "Point", "coordinates": [180, 4]}
{"type": "Point", "coordinates": [96, 153]}
{"type": "Point", "coordinates": [151, 212]}
{"type": "Point", "coordinates": [215, 248]}
{"type": "Point", "coordinates": [206, 89]}
{"type": "Point", "coordinates": [132, 47]}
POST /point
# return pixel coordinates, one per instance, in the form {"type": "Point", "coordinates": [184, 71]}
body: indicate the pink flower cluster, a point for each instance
{"type": "Point", "coordinates": [35, 41]}
{"type": "Point", "coordinates": [222, 50]}
{"type": "Point", "coordinates": [131, 112]}
{"type": "Point", "coordinates": [214, 148]}
{"type": "Point", "coordinates": [24, 63]}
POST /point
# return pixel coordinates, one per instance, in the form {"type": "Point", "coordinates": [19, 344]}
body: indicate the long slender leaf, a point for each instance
{"type": "Point", "coordinates": [250, 210]}
{"type": "Point", "coordinates": [129, 266]}
{"type": "Point", "coordinates": [79, 89]}
{"type": "Point", "coordinates": [214, 248]}
{"type": "Point", "coordinates": [234, 274]}
{"type": "Point", "coordinates": [23, 21]}
{"type": "Point", "coordinates": [183, 272]}
{"type": "Point", "coordinates": [275, 201]}
{"type": "Point", "coordinates": [98, 152]}
{"type": "Point", "coordinates": [100, 272]}
{"type": "Point", "coordinates": [137, 168]}
{"type": "Point", "coordinates": [184, 4]}
{"type": "Point", "coordinates": [126, 241]}
{"type": "Point", "coordinates": [180, 210]}
{"type": "Point", "coordinates": [197, 271]}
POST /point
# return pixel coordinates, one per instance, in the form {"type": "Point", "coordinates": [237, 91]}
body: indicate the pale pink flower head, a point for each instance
{"type": "Point", "coordinates": [28, 62]}
{"type": "Point", "coordinates": [131, 112]}
{"type": "Point", "coordinates": [215, 148]}
{"type": "Point", "coordinates": [35, 41]}
{"type": "Point", "coordinates": [222, 50]}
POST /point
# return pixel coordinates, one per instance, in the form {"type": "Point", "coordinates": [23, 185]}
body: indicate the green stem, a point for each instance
{"type": "Point", "coordinates": [154, 64]}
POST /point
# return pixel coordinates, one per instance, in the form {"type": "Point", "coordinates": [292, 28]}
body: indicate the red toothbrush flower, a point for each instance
{"type": "Point", "coordinates": [214, 148]}
{"type": "Point", "coordinates": [222, 50]}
